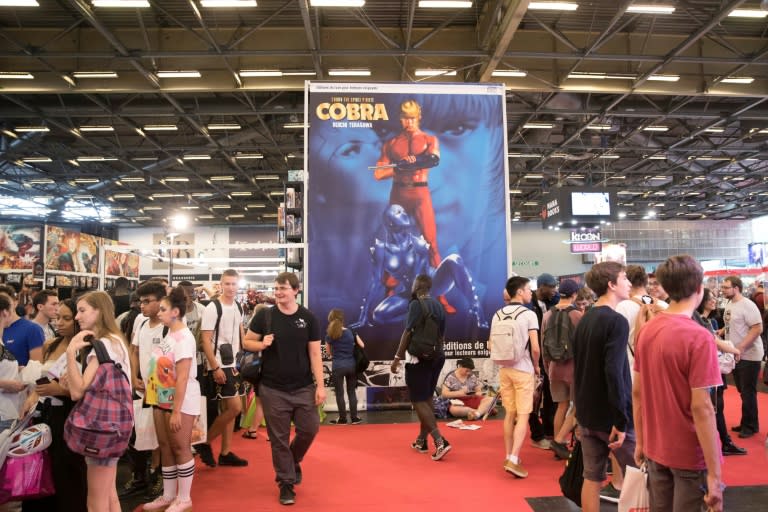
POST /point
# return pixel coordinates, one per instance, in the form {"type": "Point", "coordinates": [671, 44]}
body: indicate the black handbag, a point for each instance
{"type": "Point", "coordinates": [361, 360]}
{"type": "Point", "coordinates": [573, 477]}
{"type": "Point", "coordinates": [250, 362]}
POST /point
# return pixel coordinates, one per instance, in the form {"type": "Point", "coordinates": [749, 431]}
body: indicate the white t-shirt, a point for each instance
{"type": "Point", "coordinates": [229, 329]}
{"type": "Point", "coordinates": [527, 321]}
{"type": "Point", "coordinates": [117, 352]}
{"type": "Point", "coordinates": [10, 403]}
{"type": "Point", "coordinates": [146, 338]}
{"type": "Point", "coordinates": [161, 388]}
{"type": "Point", "coordinates": [738, 317]}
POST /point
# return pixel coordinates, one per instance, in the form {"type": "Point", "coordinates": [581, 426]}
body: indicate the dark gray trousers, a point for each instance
{"type": "Point", "coordinates": [280, 408]}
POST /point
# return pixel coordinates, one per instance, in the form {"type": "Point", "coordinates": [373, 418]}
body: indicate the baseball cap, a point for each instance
{"type": "Point", "coordinates": [569, 287]}
{"type": "Point", "coordinates": [546, 280]}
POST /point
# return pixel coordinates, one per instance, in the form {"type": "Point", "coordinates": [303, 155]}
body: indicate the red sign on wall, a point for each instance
{"type": "Point", "coordinates": [579, 248]}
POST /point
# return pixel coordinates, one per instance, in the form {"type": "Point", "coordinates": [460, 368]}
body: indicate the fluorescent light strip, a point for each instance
{"type": "Point", "coordinates": [242, 193]}
{"type": "Point", "coordinates": [609, 157]}
{"type": "Point", "coordinates": [553, 6]}
{"type": "Point", "coordinates": [295, 125]}
{"type": "Point", "coordinates": [523, 155]}
{"type": "Point", "coordinates": [160, 128]}
{"type": "Point", "coordinates": [222, 178]}
{"type": "Point", "coordinates": [224, 126]}
{"type": "Point", "coordinates": [255, 205]}
{"type": "Point", "coordinates": [714, 130]}
{"type": "Point", "coordinates": [599, 76]}
{"type": "Point", "coordinates": [36, 159]}
{"type": "Point", "coordinates": [41, 181]}
{"type": "Point", "coordinates": [94, 74]}
{"type": "Point", "coordinates": [27, 129]}
{"type": "Point", "coordinates": [221, 207]}
{"type": "Point", "coordinates": [19, 3]}
{"type": "Point", "coordinates": [515, 191]}
{"type": "Point", "coordinates": [299, 72]}
{"type": "Point", "coordinates": [179, 74]}
{"type": "Point", "coordinates": [196, 157]}
{"type": "Point", "coordinates": [349, 72]}
{"type": "Point", "coordinates": [664, 78]}
{"type": "Point", "coordinates": [599, 127]}
{"type": "Point", "coordinates": [97, 128]}
{"type": "Point", "coordinates": [96, 159]}
{"type": "Point", "coordinates": [213, 4]}
{"type": "Point", "coordinates": [249, 156]}
{"type": "Point", "coordinates": [653, 128]}
{"type": "Point", "coordinates": [538, 126]}
{"type": "Point", "coordinates": [444, 4]}
{"type": "Point", "coordinates": [16, 75]}
{"type": "Point", "coordinates": [737, 80]}
{"type": "Point", "coordinates": [178, 179]}
{"type": "Point", "coordinates": [435, 72]}
{"type": "Point", "coordinates": [123, 196]}
{"type": "Point", "coordinates": [651, 9]}
{"type": "Point", "coordinates": [260, 73]}
{"type": "Point", "coordinates": [748, 13]}
{"type": "Point", "coordinates": [132, 179]}
{"type": "Point", "coordinates": [121, 3]}
{"type": "Point", "coordinates": [86, 180]}
{"type": "Point", "coordinates": [268, 177]}
{"type": "Point", "coordinates": [509, 73]}
{"type": "Point", "coordinates": [336, 3]}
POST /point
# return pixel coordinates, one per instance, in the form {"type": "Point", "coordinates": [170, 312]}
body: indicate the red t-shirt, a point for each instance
{"type": "Point", "coordinates": [674, 355]}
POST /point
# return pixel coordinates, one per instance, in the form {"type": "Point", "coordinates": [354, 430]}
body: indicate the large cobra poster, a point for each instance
{"type": "Point", "coordinates": [407, 179]}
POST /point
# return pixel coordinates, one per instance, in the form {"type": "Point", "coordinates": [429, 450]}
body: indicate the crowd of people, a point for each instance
{"type": "Point", "coordinates": [582, 378]}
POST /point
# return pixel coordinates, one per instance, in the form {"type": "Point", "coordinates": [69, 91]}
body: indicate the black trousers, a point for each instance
{"type": "Point", "coordinates": [542, 423]}
{"type": "Point", "coordinates": [745, 375]}
{"type": "Point", "coordinates": [717, 401]}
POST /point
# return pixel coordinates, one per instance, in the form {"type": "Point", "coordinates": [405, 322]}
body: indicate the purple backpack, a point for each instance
{"type": "Point", "coordinates": [100, 424]}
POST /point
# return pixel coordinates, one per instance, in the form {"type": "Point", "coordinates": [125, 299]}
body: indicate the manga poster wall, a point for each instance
{"type": "Point", "coordinates": [19, 246]}
{"type": "Point", "coordinates": [71, 251]}
{"type": "Point", "coordinates": [118, 264]}
{"type": "Point", "coordinates": [407, 179]}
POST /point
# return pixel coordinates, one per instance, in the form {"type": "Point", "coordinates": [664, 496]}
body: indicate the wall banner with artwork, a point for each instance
{"type": "Point", "coordinates": [20, 247]}
{"type": "Point", "coordinates": [71, 251]}
{"type": "Point", "coordinates": [405, 179]}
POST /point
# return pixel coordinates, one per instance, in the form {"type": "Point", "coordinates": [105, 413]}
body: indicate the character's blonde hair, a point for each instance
{"type": "Point", "coordinates": [410, 108]}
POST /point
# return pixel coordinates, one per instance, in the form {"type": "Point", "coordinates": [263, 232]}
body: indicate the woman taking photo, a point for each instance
{"type": "Point", "coordinates": [96, 316]}
{"type": "Point", "coordinates": [340, 343]}
{"type": "Point", "coordinates": [174, 394]}
{"type": "Point", "coordinates": [69, 471]}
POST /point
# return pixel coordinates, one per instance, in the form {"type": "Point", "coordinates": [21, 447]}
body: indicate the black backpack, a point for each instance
{"type": "Point", "coordinates": [558, 338]}
{"type": "Point", "coordinates": [425, 336]}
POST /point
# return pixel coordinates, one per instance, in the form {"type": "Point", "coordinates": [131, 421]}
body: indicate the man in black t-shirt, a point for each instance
{"type": "Point", "coordinates": [291, 387]}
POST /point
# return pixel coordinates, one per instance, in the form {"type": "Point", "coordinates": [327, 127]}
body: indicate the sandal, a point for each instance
{"type": "Point", "coordinates": [472, 415]}
{"type": "Point", "coordinates": [250, 435]}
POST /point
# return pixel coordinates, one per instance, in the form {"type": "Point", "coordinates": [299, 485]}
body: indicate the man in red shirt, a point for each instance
{"type": "Point", "coordinates": [675, 365]}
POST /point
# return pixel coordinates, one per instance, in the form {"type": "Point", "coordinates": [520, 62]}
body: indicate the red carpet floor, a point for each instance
{"type": "Point", "coordinates": [373, 468]}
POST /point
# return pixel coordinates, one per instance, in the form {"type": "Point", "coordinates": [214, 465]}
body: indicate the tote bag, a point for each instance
{"type": "Point", "coordinates": [634, 492]}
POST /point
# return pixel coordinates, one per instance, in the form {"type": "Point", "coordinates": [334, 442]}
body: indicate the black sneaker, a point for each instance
{"type": "Point", "coordinates": [610, 493]}
{"type": "Point", "coordinates": [287, 496]}
{"type": "Point", "coordinates": [231, 459]}
{"type": "Point", "coordinates": [356, 421]}
{"type": "Point", "coordinates": [298, 478]}
{"type": "Point", "coordinates": [441, 449]}
{"type": "Point", "coordinates": [206, 454]}
{"type": "Point", "coordinates": [736, 428]}
{"type": "Point", "coordinates": [420, 445]}
{"type": "Point", "coordinates": [132, 486]}
{"type": "Point", "coordinates": [732, 449]}
{"type": "Point", "coordinates": [155, 488]}
{"type": "Point", "coordinates": [560, 449]}
{"type": "Point", "coordinates": [339, 421]}
{"type": "Point", "coordinates": [746, 434]}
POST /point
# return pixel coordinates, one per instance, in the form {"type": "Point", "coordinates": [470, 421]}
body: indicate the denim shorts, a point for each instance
{"type": "Point", "coordinates": [594, 447]}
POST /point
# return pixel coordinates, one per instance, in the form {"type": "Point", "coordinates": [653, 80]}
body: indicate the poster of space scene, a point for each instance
{"type": "Point", "coordinates": [71, 251]}
{"type": "Point", "coordinates": [19, 246]}
{"type": "Point", "coordinates": [407, 179]}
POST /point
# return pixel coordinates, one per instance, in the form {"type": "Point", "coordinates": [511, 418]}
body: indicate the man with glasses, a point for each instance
{"type": "Point", "coordinates": [657, 291]}
{"type": "Point", "coordinates": [743, 326]}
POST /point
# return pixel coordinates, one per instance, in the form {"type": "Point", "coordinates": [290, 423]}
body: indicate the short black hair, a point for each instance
{"type": "Point", "coordinates": [41, 298]}
{"type": "Point", "coordinates": [515, 283]}
{"type": "Point", "coordinates": [152, 287]}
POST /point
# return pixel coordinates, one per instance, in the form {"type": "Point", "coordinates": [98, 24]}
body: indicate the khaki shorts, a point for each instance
{"type": "Point", "coordinates": [516, 390]}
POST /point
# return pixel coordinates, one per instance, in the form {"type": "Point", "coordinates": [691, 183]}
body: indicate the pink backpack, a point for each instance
{"type": "Point", "coordinates": [100, 424]}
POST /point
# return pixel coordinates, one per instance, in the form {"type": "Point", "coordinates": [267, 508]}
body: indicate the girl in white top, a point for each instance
{"type": "Point", "coordinates": [96, 316]}
{"type": "Point", "coordinates": [173, 391]}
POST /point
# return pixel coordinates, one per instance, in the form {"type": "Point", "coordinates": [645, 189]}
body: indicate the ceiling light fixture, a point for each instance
{"type": "Point", "coordinates": [36, 159]}
{"type": "Point", "coordinates": [295, 125]}
{"type": "Point", "coordinates": [515, 191]}
{"type": "Point", "coordinates": [533, 176]}
{"type": "Point", "coordinates": [221, 206]}
{"type": "Point", "coordinates": [657, 157]}
{"type": "Point", "coordinates": [255, 205]}
{"type": "Point", "coordinates": [213, 4]}
{"type": "Point", "coordinates": [523, 155]}
{"type": "Point", "coordinates": [651, 9]}
{"type": "Point", "coordinates": [714, 130]}
{"type": "Point", "coordinates": [86, 180]}
{"type": "Point", "coordinates": [748, 13]}
{"type": "Point", "coordinates": [19, 3]}
{"type": "Point", "coordinates": [179, 74]}
{"type": "Point", "coordinates": [656, 128]}
{"type": "Point", "coordinates": [599, 76]}
{"type": "Point", "coordinates": [538, 126]}
{"type": "Point", "coordinates": [259, 73]}
{"type": "Point", "coordinates": [179, 179]}
{"type": "Point", "coordinates": [123, 196]}
{"type": "Point", "coordinates": [16, 75]}
{"type": "Point", "coordinates": [160, 128]}
{"type": "Point", "coordinates": [222, 178]}
{"type": "Point", "coordinates": [248, 156]}
{"type": "Point", "coordinates": [599, 127]}
{"type": "Point", "coordinates": [267, 177]}
{"type": "Point", "coordinates": [337, 3]}
{"type": "Point", "coordinates": [241, 193]}
{"type": "Point", "coordinates": [609, 157]}
{"type": "Point", "coordinates": [349, 72]}
{"type": "Point", "coordinates": [224, 126]}
{"type": "Point", "coordinates": [435, 72]}
{"type": "Point", "coordinates": [121, 3]}
{"type": "Point", "coordinates": [95, 128]}
{"type": "Point", "coordinates": [132, 179]}
{"type": "Point", "coordinates": [737, 80]}
{"type": "Point", "coordinates": [196, 157]}
{"type": "Point", "coordinates": [553, 6]}
{"type": "Point", "coordinates": [509, 73]}
{"type": "Point", "coordinates": [664, 78]}
{"type": "Point", "coordinates": [41, 181]}
{"type": "Point", "coordinates": [299, 72]}
{"type": "Point", "coordinates": [96, 159]}
{"type": "Point", "coordinates": [445, 4]}
{"type": "Point", "coordinates": [94, 74]}
{"type": "Point", "coordinates": [28, 129]}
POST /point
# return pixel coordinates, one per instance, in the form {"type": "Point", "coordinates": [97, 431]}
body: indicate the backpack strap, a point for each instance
{"type": "Point", "coordinates": [216, 303]}
{"type": "Point", "coordinates": [101, 351]}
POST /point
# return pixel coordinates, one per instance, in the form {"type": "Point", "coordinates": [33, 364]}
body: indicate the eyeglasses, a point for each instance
{"type": "Point", "coordinates": [723, 287]}
{"type": "Point", "coordinates": [145, 302]}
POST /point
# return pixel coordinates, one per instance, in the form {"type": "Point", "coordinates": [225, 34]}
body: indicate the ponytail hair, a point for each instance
{"type": "Point", "coordinates": [178, 299]}
{"type": "Point", "coordinates": [335, 323]}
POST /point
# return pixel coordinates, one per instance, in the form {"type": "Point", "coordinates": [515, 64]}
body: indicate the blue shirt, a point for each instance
{"type": "Point", "coordinates": [21, 337]}
{"type": "Point", "coordinates": [342, 349]}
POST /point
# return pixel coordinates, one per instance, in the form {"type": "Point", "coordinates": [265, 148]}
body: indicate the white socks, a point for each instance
{"type": "Point", "coordinates": [186, 473]}
{"type": "Point", "coordinates": [513, 459]}
{"type": "Point", "coordinates": [169, 482]}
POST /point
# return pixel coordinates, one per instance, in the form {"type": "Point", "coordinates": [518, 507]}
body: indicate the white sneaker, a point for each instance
{"type": "Point", "coordinates": [544, 444]}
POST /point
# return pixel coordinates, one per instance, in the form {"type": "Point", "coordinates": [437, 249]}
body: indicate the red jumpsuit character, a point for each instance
{"type": "Point", "coordinates": [407, 158]}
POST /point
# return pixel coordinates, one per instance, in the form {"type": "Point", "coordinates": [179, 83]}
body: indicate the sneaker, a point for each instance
{"type": "Point", "coordinates": [356, 421]}
{"type": "Point", "coordinates": [516, 469]}
{"type": "Point", "coordinates": [544, 444]}
{"type": "Point", "coordinates": [732, 449]}
{"type": "Point", "coordinates": [231, 459]}
{"type": "Point", "coordinates": [338, 421]}
{"type": "Point", "coordinates": [287, 496]}
{"type": "Point", "coordinates": [560, 449]}
{"type": "Point", "coordinates": [132, 486]}
{"type": "Point", "coordinates": [420, 445]}
{"type": "Point", "coordinates": [746, 434]}
{"type": "Point", "coordinates": [158, 504]}
{"type": "Point", "coordinates": [610, 493]}
{"type": "Point", "coordinates": [737, 428]}
{"type": "Point", "coordinates": [206, 454]}
{"type": "Point", "coordinates": [297, 479]}
{"type": "Point", "coordinates": [180, 506]}
{"type": "Point", "coordinates": [441, 449]}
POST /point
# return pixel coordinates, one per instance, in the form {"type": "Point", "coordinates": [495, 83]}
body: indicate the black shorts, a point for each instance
{"type": "Point", "coordinates": [421, 378]}
{"type": "Point", "coordinates": [233, 387]}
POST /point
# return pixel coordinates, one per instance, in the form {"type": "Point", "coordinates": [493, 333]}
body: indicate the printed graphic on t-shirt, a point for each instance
{"type": "Point", "coordinates": [161, 385]}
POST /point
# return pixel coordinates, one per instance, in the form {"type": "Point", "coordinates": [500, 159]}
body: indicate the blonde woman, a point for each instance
{"type": "Point", "coordinates": [340, 343]}
{"type": "Point", "coordinates": [96, 316]}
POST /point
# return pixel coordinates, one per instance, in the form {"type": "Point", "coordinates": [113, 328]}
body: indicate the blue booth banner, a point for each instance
{"type": "Point", "coordinates": [406, 179]}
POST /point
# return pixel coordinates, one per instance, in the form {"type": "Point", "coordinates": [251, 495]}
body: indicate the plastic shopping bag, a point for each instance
{"type": "Point", "coordinates": [27, 477]}
{"type": "Point", "coordinates": [144, 423]}
{"type": "Point", "coordinates": [200, 426]}
{"type": "Point", "coordinates": [634, 492]}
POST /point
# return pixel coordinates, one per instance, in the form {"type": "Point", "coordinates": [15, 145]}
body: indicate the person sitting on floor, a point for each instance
{"type": "Point", "coordinates": [463, 385]}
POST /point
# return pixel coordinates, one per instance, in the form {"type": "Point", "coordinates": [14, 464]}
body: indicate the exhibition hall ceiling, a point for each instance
{"type": "Point", "coordinates": [664, 100]}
